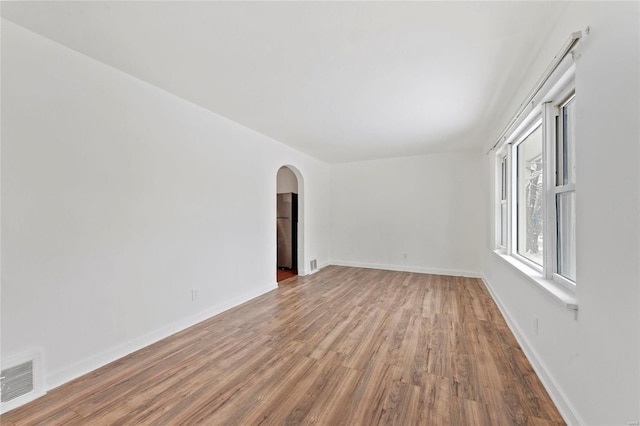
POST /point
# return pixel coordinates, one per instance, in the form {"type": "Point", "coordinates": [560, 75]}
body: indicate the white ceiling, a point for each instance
{"type": "Point", "coordinates": [341, 81]}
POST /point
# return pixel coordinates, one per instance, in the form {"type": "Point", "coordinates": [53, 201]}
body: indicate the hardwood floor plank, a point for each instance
{"type": "Point", "coordinates": [294, 404]}
{"type": "Point", "coordinates": [148, 400]}
{"type": "Point", "coordinates": [409, 348]}
{"type": "Point", "coordinates": [468, 412]}
{"type": "Point", "coordinates": [345, 346]}
{"type": "Point", "coordinates": [331, 403]}
{"type": "Point", "coordinates": [252, 404]}
{"type": "Point", "coordinates": [401, 406]}
{"type": "Point", "coordinates": [435, 398]}
{"type": "Point", "coordinates": [205, 394]}
{"type": "Point", "coordinates": [332, 335]}
{"type": "Point", "coordinates": [367, 347]}
{"type": "Point", "coordinates": [394, 354]}
{"type": "Point", "coordinates": [465, 378]}
{"type": "Point", "coordinates": [500, 413]}
{"type": "Point", "coordinates": [61, 417]}
{"type": "Point", "coordinates": [365, 403]}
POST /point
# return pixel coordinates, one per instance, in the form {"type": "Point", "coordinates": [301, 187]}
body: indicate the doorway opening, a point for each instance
{"type": "Point", "coordinates": [287, 220]}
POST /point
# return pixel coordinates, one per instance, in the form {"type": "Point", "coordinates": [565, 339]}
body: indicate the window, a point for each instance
{"type": "Point", "coordinates": [535, 191]}
{"type": "Point", "coordinates": [503, 215]}
{"type": "Point", "coordinates": [565, 191]}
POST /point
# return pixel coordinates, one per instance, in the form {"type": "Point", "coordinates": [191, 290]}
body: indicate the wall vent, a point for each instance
{"type": "Point", "coordinates": [20, 380]}
{"type": "Point", "coordinates": [314, 264]}
{"type": "Point", "coordinates": [17, 381]}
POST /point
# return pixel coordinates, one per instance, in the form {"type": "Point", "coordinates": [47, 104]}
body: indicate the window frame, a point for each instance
{"type": "Point", "coordinates": [554, 140]}
{"type": "Point", "coordinates": [546, 113]}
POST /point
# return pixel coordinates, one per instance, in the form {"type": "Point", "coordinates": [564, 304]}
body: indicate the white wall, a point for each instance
{"type": "Point", "coordinates": [116, 202]}
{"type": "Point", "coordinates": [429, 208]}
{"type": "Point", "coordinates": [287, 181]}
{"type": "Point", "coordinates": [591, 362]}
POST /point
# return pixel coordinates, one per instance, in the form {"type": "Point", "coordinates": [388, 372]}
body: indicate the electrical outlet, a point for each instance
{"type": "Point", "coordinates": [194, 294]}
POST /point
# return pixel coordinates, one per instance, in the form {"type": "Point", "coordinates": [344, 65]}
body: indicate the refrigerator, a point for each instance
{"type": "Point", "coordinates": [287, 226]}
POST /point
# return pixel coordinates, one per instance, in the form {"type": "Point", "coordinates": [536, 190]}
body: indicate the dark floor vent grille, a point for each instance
{"type": "Point", "coordinates": [16, 381]}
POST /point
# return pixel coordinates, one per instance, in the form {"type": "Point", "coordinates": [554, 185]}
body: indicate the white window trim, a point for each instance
{"type": "Point", "coordinates": [550, 228]}
{"type": "Point", "coordinates": [557, 293]}
{"type": "Point", "coordinates": [557, 287]}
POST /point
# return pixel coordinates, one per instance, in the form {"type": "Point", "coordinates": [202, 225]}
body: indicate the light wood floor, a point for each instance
{"type": "Point", "coordinates": [345, 346]}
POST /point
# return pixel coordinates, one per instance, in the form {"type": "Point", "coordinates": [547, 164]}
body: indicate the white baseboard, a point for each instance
{"type": "Point", "coordinates": [409, 268]}
{"type": "Point", "coordinates": [566, 409]}
{"type": "Point", "coordinates": [85, 366]}
{"type": "Point", "coordinates": [20, 401]}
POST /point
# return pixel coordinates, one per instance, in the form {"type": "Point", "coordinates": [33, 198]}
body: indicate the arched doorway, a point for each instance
{"type": "Point", "coordinates": [288, 220]}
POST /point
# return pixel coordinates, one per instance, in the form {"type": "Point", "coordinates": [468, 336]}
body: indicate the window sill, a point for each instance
{"type": "Point", "coordinates": [553, 290]}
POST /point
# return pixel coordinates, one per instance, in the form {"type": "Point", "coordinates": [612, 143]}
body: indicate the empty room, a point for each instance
{"type": "Point", "coordinates": [334, 213]}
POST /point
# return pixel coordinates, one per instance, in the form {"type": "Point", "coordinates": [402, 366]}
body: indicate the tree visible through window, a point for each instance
{"type": "Point", "coordinates": [530, 194]}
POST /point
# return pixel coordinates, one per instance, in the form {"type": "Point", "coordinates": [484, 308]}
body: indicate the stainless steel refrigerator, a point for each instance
{"type": "Point", "coordinates": [287, 218]}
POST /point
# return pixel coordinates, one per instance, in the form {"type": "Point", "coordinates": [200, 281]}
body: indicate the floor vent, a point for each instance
{"type": "Point", "coordinates": [17, 381]}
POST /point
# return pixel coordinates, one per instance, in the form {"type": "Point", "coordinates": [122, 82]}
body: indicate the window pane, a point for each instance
{"type": "Point", "coordinates": [503, 202]}
{"type": "Point", "coordinates": [568, 143]}
{"type": "Point", "coordinates": [503, 176]}
{"type": "Point", "coordinates": [503, 224]}
{"type": "Point", "coordinates": [529, 194]}
{"type": "Point", "coordinates": [566, 216]}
